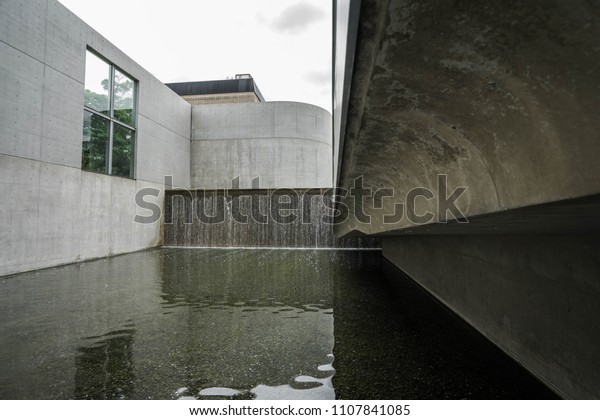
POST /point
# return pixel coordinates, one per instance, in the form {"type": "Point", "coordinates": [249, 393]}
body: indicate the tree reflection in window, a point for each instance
{"type": "Point", "coordinates": [122, 157]}
{"type": "Point", "coordinates": [95, 142]}
{"type": "Point", "coordinates": [109, 119]}
{"type": "Point", "coordinates": [97, 76]}
{"type": "Point", "coordinates": [123, 98]}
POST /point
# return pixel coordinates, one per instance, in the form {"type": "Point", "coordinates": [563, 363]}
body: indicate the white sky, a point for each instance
{"type": "Point", "coordinates": [284, 44]}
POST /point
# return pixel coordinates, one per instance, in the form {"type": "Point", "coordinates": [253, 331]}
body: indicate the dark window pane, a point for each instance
{"type": "Point", "coordinates": [95, 143]}
{"type": "Point", "coordinates": [97, 76]}
{"type": "Point", "coordinates": [122, 153]}
{"type": "Point", "coordinates": [124, 89]}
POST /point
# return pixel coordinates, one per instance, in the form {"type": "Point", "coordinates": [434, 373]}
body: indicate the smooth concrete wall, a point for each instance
{"type": "Point", "coordinates": [286, 144]}
{"type": "Point", "coordinates": [52, 211]}
{"type": "Point", "coordinates": [345, 17]}
{"type": "Point", "coordinates": [534, 296]}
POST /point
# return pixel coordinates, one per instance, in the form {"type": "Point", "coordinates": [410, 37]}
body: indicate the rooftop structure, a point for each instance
{"type": "Point", "coordinates": [242, 88]}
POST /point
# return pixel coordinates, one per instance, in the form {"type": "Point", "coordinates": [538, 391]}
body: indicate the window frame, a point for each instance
{"type": "Point", "coordinates": [111, 117]}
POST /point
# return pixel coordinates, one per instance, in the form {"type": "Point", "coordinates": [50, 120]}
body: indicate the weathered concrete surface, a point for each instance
{"type": "Point", "coordinates": [54, 213]}
{"type": "Point", "coordinates": [535, 296]}
{"type": "Point", "coordinates": [285, 144]}
{"type": "Point", "coordinates": [500, 96]}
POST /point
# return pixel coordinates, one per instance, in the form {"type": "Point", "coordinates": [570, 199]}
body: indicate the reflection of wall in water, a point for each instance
{"type": "Point", "coordinates": [422, 350]}
{"type": "Point", "coordinates": [105, 368]}
{"type": "Point", "coordinates": [246, 317]}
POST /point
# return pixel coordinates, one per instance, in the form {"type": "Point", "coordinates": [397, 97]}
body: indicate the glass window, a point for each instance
{"type": "Point", "coordinates": [122, 156]}
{"type": "Point", "coordinates": [123, 88]}
{"type": "Point", "coordinates": [95, 142]}
{"type": "Point", "coordinates": [97, 77]}
{"type": "Point", "coordinates": [109, 119]}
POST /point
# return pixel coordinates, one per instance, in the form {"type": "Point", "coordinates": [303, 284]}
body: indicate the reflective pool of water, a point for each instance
{"type": "Point", "coordinates": [238, 324]}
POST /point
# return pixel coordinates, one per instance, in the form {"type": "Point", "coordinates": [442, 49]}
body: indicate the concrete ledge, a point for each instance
{"type": "Point", "coordinates": [534, 296]}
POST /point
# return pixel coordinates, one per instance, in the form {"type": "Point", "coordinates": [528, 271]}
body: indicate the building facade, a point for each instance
{"type": "Point", "coordinates": [83, 128]}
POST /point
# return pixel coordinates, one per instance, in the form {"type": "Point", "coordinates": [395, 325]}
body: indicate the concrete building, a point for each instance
{"type": "Point", "coordinates": [59, 78]}
{"type": "Point", "coordinates": [487, 112]}
{"type": "Point", "coordinates": [53, 212]}
{"type": "Point", "coordinates": [444, 113]}
{"type": "Point", "coordinates": [241, 137]}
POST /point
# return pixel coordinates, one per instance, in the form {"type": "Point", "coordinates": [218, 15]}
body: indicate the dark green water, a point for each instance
{"type": "Point", "coordinates": [268, 324]}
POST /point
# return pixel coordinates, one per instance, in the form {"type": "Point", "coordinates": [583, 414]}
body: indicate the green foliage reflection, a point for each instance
{"type": "Point", "coordinates": [96, 129]}
{"type": "Point", "coordinates": [122, 151]}
{"type": "Point", "coordinates": [95, 142]}
{"type": "Point", "coordinates": [123, 99]}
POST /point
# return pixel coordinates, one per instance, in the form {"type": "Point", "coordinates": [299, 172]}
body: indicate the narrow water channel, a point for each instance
{"type": "Point", "coordinates": [264, 324]}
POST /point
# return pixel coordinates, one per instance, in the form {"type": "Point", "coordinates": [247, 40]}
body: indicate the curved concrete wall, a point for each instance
{"type": "Point", "coordinates": [503, 99]}
{"type": "Point", "coordinates": [286, 144]}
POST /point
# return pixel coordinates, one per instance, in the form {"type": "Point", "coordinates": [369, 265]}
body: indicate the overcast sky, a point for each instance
{"type": "Point", "coordinates": [284, 44]}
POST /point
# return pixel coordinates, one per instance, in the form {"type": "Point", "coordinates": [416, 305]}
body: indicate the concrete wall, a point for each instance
{"type": "Point", "coordinates": [346, 15]}
{"type": "Point", "coordinates": [54, 213]}
{"type": "Point", "coordinates": [501, 98]}
{"type": "Point", "coordinates": [535, 296]}
{"type": "Point", "coordinates": [286, 144]}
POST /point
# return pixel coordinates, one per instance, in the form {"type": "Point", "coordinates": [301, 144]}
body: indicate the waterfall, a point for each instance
{"type": "Point", "coordinates": [279, 218]}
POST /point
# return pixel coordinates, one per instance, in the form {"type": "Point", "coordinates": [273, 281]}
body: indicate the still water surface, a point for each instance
{"type": "Point", "coordinates": [264, 324]}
